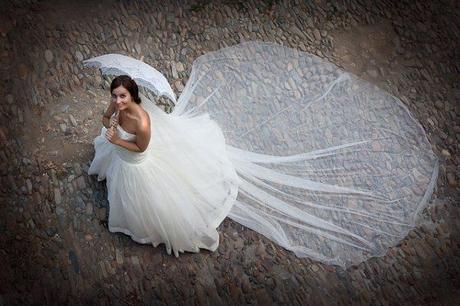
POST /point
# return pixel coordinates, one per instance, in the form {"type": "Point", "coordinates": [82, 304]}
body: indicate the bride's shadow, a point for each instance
{"type": "Point", "coordinates": [99, 196]}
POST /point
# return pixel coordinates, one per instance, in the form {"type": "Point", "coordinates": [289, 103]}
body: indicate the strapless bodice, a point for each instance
{"type": "Point", "coordinates": [124, 134]}
{"type": "Point", "coordinates": [125, 154]}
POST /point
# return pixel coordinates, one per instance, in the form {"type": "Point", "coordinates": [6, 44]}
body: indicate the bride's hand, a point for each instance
{"type": "Point", "coordinates": [113, 121]}
{"type": "Point", "coordinates": [112, 135]}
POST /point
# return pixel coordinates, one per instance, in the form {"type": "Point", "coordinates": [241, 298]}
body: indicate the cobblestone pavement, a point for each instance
{"type": "Point", "coordinates": [55, 247]}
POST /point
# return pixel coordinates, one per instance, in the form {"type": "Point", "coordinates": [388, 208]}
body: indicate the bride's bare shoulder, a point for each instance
{"type": "Point", "coordinates": [143, 118]}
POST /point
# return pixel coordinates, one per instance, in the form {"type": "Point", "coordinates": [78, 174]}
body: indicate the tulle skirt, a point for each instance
{"type": "Point", "coordinates": [178, 191]}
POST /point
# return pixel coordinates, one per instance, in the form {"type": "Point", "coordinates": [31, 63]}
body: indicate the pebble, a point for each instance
{"type": "Point", "coordinates": [174, 71]}
{"type": "Point", "coordinates": [51, 231]}
{"type": "Point", "coordinates": [119, 256]}
{"type": "Point", "coordinates": [74, 261]}
{"type": "Point", "coordinates": [179, 86]}
{"type": "Point", "coordinates": [135, 260]}
{"type": "Point", "coordinates": [445, 153]}
{"type": "Point", "coordinates": [29, 186]}
{"type": "Point", "coordinates": [77, 169]}
{"type": "Point", "coordinates": [439, 104]}
{"type": "Point", "coordinates": [260, 250]}
{"type": "Point", "coordinates": [81, 184]}
{"type": "Point", "coordinates": [49, 56]}
{"type": "Point", "coordinates": [138, 48]}
{"type": "Point", "coordinates": [103, 269]}
{"type": "Point", "coordinates": [79, 56]}
{"type": "Point", "coordinates": [57, 196]}
{"type": "Point", "coordinates": [246, 285]}
{"type": "Point", "coordinates": [63, 127]}
{"type": "Point", "coordinates": [72, 120]}
{"type": "Point", "coordinates": [451, 179]}
{"type": "Point", "coordinates": [20, 116]}
{"type": "Point", "coordinates": [180, 67]}
{"type": "Point", "coordinates": [80, 203]}
{"type": "Point", "coordinates": [89, 208]}
{"type": "Point", "coordinates": [317, 34]}
{"type": "Point", "coordinates": [373, 73]}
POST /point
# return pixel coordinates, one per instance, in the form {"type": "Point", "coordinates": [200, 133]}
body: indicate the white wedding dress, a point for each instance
{"type": "Point", "coordinates": [177, 191]}
{"type": "Point", "coordinates": [312, 157]}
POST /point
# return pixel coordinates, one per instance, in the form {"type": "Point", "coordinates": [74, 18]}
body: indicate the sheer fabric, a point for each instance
{"type": "Point", "coordinates": [329, 166]}
{"type": "Point", "coordinates": [332, 167]}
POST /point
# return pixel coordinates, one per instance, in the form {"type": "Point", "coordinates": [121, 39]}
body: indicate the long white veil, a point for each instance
{"type": "Point", "coordinates": [331, 166]}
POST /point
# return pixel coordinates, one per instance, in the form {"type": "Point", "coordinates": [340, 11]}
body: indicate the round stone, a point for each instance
{"type": "Point", "coordinates": [49, 56]}
{"type": "Point", "coordinates": [78, 55]}
{"type": "Point", "coordinates": [445, 153]}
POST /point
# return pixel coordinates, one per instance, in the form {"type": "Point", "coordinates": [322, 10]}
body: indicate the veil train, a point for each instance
{"type": "Point", "coordinates": [330, 166]}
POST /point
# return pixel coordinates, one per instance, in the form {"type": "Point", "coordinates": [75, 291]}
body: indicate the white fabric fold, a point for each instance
{"type": "Point", "coordinates": [332, 167]}
{"type": "Point", "coordinates": [319, 161]}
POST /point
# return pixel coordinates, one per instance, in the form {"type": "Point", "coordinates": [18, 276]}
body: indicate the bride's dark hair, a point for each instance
{"type": "Point", "coordinates": [129, 84]}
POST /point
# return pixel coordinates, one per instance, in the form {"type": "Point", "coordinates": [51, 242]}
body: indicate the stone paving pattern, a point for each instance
{"type": "Point", "coordinates": [54, 244]}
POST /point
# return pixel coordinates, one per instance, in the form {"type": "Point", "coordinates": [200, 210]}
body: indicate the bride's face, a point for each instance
{"type": "Point", "coordinates": [121, 97]}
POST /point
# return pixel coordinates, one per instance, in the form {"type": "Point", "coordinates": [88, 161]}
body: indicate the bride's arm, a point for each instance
{"type": "Point", "coordinates": [142, 138]}
{"type": "Point", "coordinates": [131, 146]}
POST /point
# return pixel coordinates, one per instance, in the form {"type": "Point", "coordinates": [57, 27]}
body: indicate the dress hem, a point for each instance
{"type": "Point", "coordinates": [114, 229]}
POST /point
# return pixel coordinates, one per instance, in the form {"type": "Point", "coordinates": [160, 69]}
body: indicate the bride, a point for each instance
{"type": "Point", "coordinates": [168, 180]}
{"type": "Point", "coordinates": [319, 161]}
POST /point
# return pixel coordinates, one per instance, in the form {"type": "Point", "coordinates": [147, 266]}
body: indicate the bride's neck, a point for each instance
{"type": "Point", "coordinates": [130, 110]}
